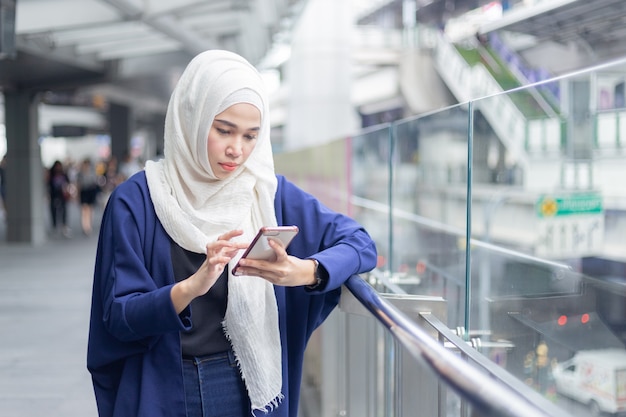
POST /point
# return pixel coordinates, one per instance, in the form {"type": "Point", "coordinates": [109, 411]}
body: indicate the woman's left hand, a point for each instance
{"type": "Point", "coordinates": [285, 270]}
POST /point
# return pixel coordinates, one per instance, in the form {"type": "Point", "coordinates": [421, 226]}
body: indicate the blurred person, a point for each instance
{"type": "Point", "coordinates": [109, 178]}
{"type": "Point", "coordinates": [59, 193]}
{"type": "Point", "coordinates": [129, 167]}
{"type": "Point", "coordinates": [173, 332]}
{"type": "Point", "coordinates": [88, 189]}
{"type": "Point", "coordinates": [71, 169]}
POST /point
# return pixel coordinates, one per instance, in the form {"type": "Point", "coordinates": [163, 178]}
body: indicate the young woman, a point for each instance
{"type": "Point", "coordinates": [88, 189]}
{"type": "Point", "coordinates": [173, 332]}
{"type": "Point", "coordinates": [59, 195]}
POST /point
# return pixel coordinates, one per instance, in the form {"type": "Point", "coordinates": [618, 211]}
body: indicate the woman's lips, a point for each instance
{"type": "Point", "coordinates": [229, 167]}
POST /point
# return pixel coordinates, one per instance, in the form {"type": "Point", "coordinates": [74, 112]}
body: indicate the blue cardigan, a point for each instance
{"type": "Point", "coordinates": [134, 351]}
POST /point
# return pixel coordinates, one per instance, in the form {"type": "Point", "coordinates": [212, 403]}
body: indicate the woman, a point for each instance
{"type": "Point", "coordinates": [58, 194]}
{"type": "Point", "coordinates": [88, 189]}
{"type": "Point", "coordinates": [173, 332]}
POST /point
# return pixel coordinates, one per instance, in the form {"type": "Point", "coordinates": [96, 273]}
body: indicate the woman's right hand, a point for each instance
{"type": "Point", "coordinates": [219, 253]}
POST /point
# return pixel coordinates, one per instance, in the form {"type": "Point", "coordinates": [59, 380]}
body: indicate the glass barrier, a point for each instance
{"type": "Point", "coordinates": [429, 206]}
{"type": "Point", "coordinates": [516, 218]}
{"type": "Point", "coordinates": [548, 276]}
{"type": "Point", "coordinates": [370, 177]}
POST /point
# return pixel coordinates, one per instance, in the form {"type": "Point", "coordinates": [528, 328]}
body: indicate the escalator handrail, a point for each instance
{"type": "Point", "coordinates": [485, 392]}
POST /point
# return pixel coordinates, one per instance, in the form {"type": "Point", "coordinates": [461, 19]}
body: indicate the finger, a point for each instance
{"type": "Point", "coordinates": [220, 244]}
{"type": "Point", "coordinates": [231, 234]}
{"type": "Point", "coordinates": [266, 275]}
{"type": "Point", "coordinates": [218, 260]}
{"type": "Point", "coordinates": [278, 248]}
{"type": "Point", "coordinates": [275, 243]}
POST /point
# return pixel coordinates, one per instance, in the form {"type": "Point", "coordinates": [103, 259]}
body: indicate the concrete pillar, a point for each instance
{"type": "Point", "coordinates": [158, 129]}
{"type": "Point", "coordinates": [26, 203]}
{"type": "Point", "coordinates": [120, 129]}
{"type": "Point", "coordinates": [319, 76]}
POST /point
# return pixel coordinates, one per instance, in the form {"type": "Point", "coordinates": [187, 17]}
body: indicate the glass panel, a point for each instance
{"type": "Point", "coordinates": [370, 186]}
{"type": "Point", "coordinates": [429, 200]}
{"type": "Point", "coordinates": [547, 287]}
{"type": "Point", "coordinates": [322, 171]}
{"type": "Point", "coordinates": [548, 276]}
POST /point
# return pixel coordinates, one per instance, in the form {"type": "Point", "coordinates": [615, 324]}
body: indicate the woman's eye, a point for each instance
{"type": "Point", "coordinates": [222, 131]}
{"type": "Point", "coordinates": [251, 137]}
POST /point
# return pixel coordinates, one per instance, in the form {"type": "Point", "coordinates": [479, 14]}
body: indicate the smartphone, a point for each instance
{"type": "Point", "coordinates": [260, 248]}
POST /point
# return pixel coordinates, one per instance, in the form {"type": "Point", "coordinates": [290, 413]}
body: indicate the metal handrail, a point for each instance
{"type": "Point", "coordinates": [487, 393]}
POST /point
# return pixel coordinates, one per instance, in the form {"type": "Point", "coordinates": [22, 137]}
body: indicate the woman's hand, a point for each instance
{"type": "Point", "coordinates": [284, 270]}
{"type": "Point", "coordinates": [218, 254]}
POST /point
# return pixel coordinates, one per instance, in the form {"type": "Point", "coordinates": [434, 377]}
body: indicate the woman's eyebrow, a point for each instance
{"type": "Point", "coordinates": [226, 122]}
{"type": "Point", "coordinates": [233, 125]}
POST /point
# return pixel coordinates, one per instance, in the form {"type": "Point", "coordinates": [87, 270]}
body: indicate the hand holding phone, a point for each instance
{"type": "Point", "coordinates": [260, 248]}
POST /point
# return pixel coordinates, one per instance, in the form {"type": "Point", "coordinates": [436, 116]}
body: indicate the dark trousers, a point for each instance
{"type": "Point", "coordinates": [58, 212]}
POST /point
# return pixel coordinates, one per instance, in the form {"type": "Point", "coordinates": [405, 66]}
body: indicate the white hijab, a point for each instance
{"type": "Point", "coordinates": [195, 207]}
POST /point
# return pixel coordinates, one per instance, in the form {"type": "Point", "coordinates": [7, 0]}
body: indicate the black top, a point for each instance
{"type": "Point", "coordinates": [207, 312]}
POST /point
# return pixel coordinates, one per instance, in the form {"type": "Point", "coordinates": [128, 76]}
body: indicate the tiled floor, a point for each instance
{"type": "Point", "coordinates": [45, 295]}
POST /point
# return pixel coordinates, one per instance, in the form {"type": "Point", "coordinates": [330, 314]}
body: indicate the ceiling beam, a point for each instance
{"type": "Point", "coordinates": [39, 47]}
{"type": "Point", "coordinates": [165, 24]}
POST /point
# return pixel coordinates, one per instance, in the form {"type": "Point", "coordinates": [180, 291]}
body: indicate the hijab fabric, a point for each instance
{"type": "Point", "coordinates": [195, 207]}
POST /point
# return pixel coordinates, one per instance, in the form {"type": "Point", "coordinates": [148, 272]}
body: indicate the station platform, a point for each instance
{"type": "Point", "coordinates": [44, 318]}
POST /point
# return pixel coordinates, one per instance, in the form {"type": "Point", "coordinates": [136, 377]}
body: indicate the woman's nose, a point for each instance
{"type": "Point", "coordinates": [235, 148]}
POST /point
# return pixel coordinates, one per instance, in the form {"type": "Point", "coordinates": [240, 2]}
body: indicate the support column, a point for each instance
{"type": "Point", "coordinates": [579, 104]}
{"type": "Point", "coordinates": [157, 129]}
{"type": "Point", "coordinates": [319, 74]}
{"type": "Point", "coordinates": [26, 203]}
{"type": "Point", "coordinates": [120, 129]}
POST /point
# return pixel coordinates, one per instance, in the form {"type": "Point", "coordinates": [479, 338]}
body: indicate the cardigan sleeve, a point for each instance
{"type": "Point", "coordinates": [342, 247]}
{"type": "Point", "coordinates": [338, 242]}
{"type": "Point", "coordinates": [133, 291]}
{"type": "Point", "coordinates": [133, 352]}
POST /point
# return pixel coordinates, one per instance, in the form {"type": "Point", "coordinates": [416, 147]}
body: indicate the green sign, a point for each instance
{"type": "Point", "coordinates": [573, 204]}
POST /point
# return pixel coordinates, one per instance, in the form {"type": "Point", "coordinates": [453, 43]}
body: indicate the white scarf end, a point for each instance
{"type": "Point", "coordinates": [270, 406]}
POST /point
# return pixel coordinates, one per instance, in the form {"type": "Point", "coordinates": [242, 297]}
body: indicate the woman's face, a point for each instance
{"type": "Point", "coordinates": [232, 138]}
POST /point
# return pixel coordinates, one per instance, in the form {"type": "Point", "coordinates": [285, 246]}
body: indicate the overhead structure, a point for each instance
{"type": "Point", "coordinates": [136, 47]}
{"type": "Point", "coordinates": [598, 25]}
